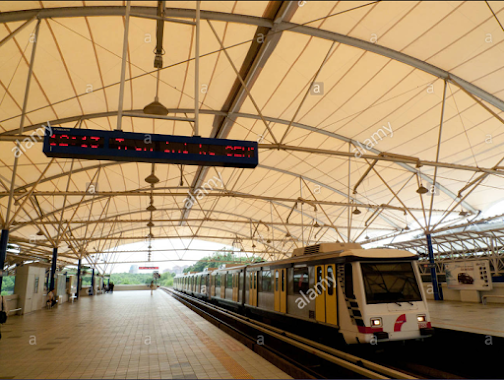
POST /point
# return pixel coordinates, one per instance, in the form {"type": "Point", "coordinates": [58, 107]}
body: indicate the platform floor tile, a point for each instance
{"type": "Point", "coordinates": [125, 335]}
{"type": "Point", "coordinates": [467, 316]}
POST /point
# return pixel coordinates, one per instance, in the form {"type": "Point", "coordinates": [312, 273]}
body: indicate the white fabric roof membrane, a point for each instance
{"type": "Point", "coordinates": [340, 85]}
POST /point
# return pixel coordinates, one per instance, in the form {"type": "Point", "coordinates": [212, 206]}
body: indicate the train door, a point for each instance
{"type": "Point", "coordinates": [223, 285]}
{"type": "Point", "coordinates": [235, 287]}
{"type": "Point", "coordinates": [279, 289]}
{"type": "Point", "coordinates": [212, 286]}
{"type": "Point", "coordinates": [325, 303]}
{"type": "Point", "coordinates": [253, 289]}
{"type": "Point", "coordinates": [255, 274]}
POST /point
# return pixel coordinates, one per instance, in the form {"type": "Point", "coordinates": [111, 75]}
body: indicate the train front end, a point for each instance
{"type": "Point", "coordinates": [389, 300]}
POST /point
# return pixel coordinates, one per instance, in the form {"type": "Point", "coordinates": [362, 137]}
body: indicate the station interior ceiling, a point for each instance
{"type": "Point", "coordinates": [358, 108]}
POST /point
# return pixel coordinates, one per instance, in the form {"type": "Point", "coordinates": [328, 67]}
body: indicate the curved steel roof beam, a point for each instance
{"type": "Point", "coordinates": [80, 224]}
{"type": "Point", "coordinates": [17, 227]}
{"type": "Point", "coordinates": [176, 237]}
{"type": "Point", "coordinates": [238, 114]}
{"type": "Point", "coordinates": [258, 21]}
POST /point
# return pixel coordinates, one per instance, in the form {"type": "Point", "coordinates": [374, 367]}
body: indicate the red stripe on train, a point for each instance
{"type": "Point", "coordinates": [399, 322]}
{"type": "Point", "coordinates": [369, 330]}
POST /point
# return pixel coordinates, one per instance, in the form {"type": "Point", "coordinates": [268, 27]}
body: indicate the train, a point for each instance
{"type": "Point", "coordinates": [337, 291]}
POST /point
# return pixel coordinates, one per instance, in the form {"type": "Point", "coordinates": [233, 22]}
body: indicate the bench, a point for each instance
{"type": "Point", "coordinates": [484, 298]}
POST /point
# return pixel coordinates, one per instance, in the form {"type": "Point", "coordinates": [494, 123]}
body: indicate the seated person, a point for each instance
{"type": "Point", "coordinates": [51, 299]}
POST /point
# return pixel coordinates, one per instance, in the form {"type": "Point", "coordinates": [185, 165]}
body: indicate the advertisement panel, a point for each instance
{"type": "Point", "coordinates": [474, 275]}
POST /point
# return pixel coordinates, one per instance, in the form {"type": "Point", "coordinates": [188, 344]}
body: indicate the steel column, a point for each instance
{"type": "Point", "coordinates": [21, 124]}
{"type": "Point", "coordinates": [196, 69]}
{"type": "Point", "coordinates": [4, 240]}
{"type": "Point", "coordinates": [437, 294]}
{"type": "Point", "coordinates": [123, 66]}
{"type": "Point", "coordinates": [92, 283]}
{"type": "Point", "coordinates": [78, 278]}
{"type": "Point", "coordinates": [53, 267]}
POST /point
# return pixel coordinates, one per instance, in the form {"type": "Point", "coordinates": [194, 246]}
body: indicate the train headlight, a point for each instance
{"type": "Point", "coordinates": [376, 322]}
{"type": "Point", "coordinates": [420, 318]}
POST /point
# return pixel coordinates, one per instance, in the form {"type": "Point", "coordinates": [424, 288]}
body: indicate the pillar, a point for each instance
{"type": "Point", "coordinates": [437, 294]}
{"type": "Point", "coordinates": [78, 279]}
{"type": "Point", "coordinates": [53, 267]}
{"type": "Point", "coordinates": [4, 240]}
{"type": "Point", "coordinates": [92, 282]}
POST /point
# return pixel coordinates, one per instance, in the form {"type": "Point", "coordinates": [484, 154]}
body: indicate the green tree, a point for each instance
{"type": "Point", "coordinates": [8, 283]}
{"type": "Point", "coordinates": [218, 258]}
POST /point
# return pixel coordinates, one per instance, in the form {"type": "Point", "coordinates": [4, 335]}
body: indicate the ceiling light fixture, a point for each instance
{"type": "Point", "coordinates": [40, 233]}
{"type": "Point", "coordinates": [151, 208]}
{"type": "Point", "coordinates": [150, 224]}
{"type": "Point", "coordinates": [155, 108]}
{"type": "Point", "coordinates": [152, 179]}
{"type": "Point", "coordinates": [356, 211]}
{"type": "Point", "coordinates": [422, 190]}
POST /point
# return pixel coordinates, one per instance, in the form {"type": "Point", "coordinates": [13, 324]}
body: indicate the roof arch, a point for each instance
{"type": "Point", "coordinates": [436, 84]}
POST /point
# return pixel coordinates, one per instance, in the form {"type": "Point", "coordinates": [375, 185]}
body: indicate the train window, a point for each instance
{"type": "Point", "coordinates": [390, 282]}
{"type": "Point", "coordinates": [300, 279]}
{"type": "Point", "coordinates": [217, 280]}
{"type": "Point", "coordinates": [319, 280]}
{"type": "Point", "coordinates": [276, 280]}
{"type": "Point", "coordinates": [266, 281]}
{"type": "Point", "coordinates": [283, 280]}
{"type": "Point", "coordinates": [229, 281]}
{"type": "Point", "coordinates": [250, 280]}
{"type": "Point", "coordinates": [349, 293]}
{"type": "Point", "coordinates": [330, 280]}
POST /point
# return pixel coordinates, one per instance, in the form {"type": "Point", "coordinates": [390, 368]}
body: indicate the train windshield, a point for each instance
{"type": "Point", "coordinates": [390, 282]}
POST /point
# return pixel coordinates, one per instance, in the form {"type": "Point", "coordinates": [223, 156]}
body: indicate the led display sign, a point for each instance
{"type": "Point", "coordinates": [139, 147]}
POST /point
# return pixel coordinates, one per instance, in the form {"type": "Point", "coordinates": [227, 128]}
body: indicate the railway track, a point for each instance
{"type": "Point", "coordinates": [296, 355]}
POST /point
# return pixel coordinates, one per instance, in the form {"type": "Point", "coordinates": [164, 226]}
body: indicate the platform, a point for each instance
{"type": "Point", "coordinates": [125, 335]}
{"type": "Point", "coordinates": [467, 316]}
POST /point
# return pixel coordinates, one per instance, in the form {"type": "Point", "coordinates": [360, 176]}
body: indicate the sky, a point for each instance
{"type": "Point", "coordinates": [170, 249]}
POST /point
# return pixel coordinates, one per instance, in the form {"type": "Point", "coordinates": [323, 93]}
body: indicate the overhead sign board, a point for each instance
{"type": "Point", "coordinates": [139, 147]}
{"type": "Point", "coordinates": [149, 268]}
{"type": "Point", "coordinates": [473, 275]}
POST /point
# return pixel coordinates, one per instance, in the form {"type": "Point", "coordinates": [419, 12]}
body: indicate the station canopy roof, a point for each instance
{"type": "Point", "coordinates": [355, 105]}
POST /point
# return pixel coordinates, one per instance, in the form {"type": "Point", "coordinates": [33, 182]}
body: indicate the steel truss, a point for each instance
{"type": "Point", "coordinates": [448, 247]}
{"type": "Point", "coordinates": [457, 246]}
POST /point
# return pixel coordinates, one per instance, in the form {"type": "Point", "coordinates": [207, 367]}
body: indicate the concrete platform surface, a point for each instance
{"type": "Point", "coordinates": [467, 316]}
{"type": "Point", "coordinates": [125, 335]}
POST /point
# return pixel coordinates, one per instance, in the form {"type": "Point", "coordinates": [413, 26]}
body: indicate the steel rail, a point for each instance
{"type": "Point", "coordinates": [343, 359]}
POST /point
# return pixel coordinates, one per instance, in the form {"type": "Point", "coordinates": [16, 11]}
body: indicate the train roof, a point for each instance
{"type": "Point", "coordinates": [355, 254]}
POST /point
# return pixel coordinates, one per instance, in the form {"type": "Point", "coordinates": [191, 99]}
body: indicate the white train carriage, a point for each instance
{"type": "Point", "coordinates": [364, 295]}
